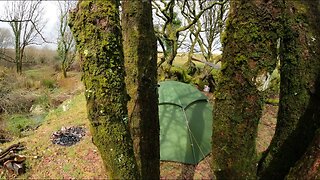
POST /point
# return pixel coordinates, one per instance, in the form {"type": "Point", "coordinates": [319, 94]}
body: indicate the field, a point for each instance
{"type": "Point", "coordinates": [59, 102]}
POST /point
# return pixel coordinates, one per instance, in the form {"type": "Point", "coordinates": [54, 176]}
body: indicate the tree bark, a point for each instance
{"type": "Point", "coordinates": [96, 27]}
{"type": "Point", "coordinates": [308, 167]}
{"type": "Point", "coordinates": [249, 57]}
{"type": "Point", "coordinates": [299, 106]}
{"type": "Point", "coordinates": [140, 51]}
{"type": "Point", "coordinates": [17, 33]}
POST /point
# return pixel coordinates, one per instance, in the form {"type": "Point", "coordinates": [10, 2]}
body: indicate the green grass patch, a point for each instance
{"type": "Point", "coordinates": [182, 58]}
{"type": "Point", "coordinates": [39, 73]}
{"type": "Point", "coordinates": [48, 83]}
{"type": "Point", "coordinates": [17, 124]}
{"type": "Point", "coordinates": [42, 77]}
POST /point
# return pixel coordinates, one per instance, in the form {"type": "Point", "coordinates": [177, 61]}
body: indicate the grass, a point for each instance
{"type": "Point", "coordinates": [49, 161]}
{"type": "Point", "coordinates": [18, 125]}
{"type": "Point", "coordinates": [182, 58]}
{"type": "Point", "coordinates": [82, 161]}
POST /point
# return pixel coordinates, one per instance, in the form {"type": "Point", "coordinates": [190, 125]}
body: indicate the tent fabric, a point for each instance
{"type": "Point", "coordinates": [185, 123]}
{"type": "Point", "coordinates": [179, 93]}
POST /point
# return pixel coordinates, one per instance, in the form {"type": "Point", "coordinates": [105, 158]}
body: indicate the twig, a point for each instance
{"type": "Point", "coordinates": [27, 20]}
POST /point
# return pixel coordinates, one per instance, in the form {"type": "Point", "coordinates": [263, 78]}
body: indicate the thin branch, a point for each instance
{"type": "Point", "coordinates": [199, 15]}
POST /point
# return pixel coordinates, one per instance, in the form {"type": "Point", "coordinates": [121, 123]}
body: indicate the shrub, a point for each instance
{"type": "Point", "coordinates": [16, 102]}
{"type": "Point", "coordinates": [44, 100]}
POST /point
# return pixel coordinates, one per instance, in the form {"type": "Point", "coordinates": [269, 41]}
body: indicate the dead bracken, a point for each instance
{"type": "Point", "coordinates": [68, 136]}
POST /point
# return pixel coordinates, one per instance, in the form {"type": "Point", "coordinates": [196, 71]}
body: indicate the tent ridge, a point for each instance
{"type": "Point", "coordinates": [170, 103]}
{"type": "Point", "coordinates": [198, 100]}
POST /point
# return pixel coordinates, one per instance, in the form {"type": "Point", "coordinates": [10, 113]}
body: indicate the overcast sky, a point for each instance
{"type": "Point", "coordinates": [50, 15]}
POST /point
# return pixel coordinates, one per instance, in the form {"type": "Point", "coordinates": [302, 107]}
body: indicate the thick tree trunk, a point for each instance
{"type": "Point", "coordinates": [249, 57]}
{"type": "Point", "coordinates": [96, 28]}
{"type": "Point", "coordinates": [308, 167]}
{"type": "Point", "coordinates": [299, 106]}
{"type": "Point", "coordinates": [140, 51]}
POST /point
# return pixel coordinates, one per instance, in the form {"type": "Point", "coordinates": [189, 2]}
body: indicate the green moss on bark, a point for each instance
{"type": "Point", "coordinates": [96, 28]}
{"type": "Point", "coordinates": [140, 50]}
{"type": "Point", "coordinates": [250, 51]}
{"type": "Point", "coordinates": [308, 166]}
{"type": "Point", "coordinates": [298, 116]}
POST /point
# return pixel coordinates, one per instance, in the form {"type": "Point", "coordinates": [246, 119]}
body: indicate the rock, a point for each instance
{"type": "Point", "coordinates": [37, 109]}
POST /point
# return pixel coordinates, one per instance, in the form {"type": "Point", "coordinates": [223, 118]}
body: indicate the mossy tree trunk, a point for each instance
{"type": "Point", "coordinates": [96, 27]}
{"type": "Point", "coordinates": [140, 51]}
{"type": "Point", "coordinates": [299, 106]}
{"type": "Point", "coordinates": [308, 167]}
{"type": "Point", "coordinates": [249, 57]}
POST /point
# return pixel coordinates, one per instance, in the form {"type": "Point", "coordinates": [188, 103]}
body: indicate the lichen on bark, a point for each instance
{"type": "Point", "coordinates": [299, 106]}
{"type": "Point", "coordinates": [96, 28]}
{"type": "Point", "coordinates": [140, 50]}
{"type": "Point", "coordinates": [250, 51]}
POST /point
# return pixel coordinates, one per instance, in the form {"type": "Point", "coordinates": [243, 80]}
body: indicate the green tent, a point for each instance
{"type": "Point", "coordinates": [185, 123]}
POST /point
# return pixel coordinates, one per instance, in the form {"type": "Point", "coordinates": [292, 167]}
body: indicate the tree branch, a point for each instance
{"type": "Point", "coordinates": [214, 66]}
{"type": "Point", "coordinates": [199, 15]}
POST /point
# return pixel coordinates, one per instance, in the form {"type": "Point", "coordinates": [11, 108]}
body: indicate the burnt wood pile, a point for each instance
{"type": "Point", "coordinates": [68, 136]}
{"type": "Point", "coordinates": [11, 160]}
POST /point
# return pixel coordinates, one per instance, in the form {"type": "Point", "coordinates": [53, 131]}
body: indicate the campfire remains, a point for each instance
{"type": "Point", "coordinates": [68, 136]}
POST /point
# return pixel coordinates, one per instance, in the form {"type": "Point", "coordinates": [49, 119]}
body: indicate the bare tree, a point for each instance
{"type": "Point", "coordinates": [6, 40]}
{"type": "Point", "coordinates": [204, 35]}
{"type": "Point", "coordinates": [171, 28]}
{"type": "Point", "coordinates": [66, 43]}
{"type": "Point", "coordinates": [24, 18]}
{"type": "Point", "coordinates": [212, 24]}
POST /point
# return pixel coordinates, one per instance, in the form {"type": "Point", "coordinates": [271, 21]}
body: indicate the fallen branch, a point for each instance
{"type": "Point", "coordinates": [214, 66]}
{"type": "Point", "coordinates": [11, 161]}
{"type": "Point", "coordinates": [6, 158]}
{"type": "Point", "coordinates": [14, 147]}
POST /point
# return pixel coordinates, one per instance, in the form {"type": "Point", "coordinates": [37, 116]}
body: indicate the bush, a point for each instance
{"type": "Point", "coordinates": [14, 98]}
{"type": "Point", "coordinates": [16, 102]}
{"type": "Point", "coordinates": [44, 101]}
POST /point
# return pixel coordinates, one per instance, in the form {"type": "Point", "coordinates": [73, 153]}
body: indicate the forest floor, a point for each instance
{"type": "Point", "coordinates": [46, 160]}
